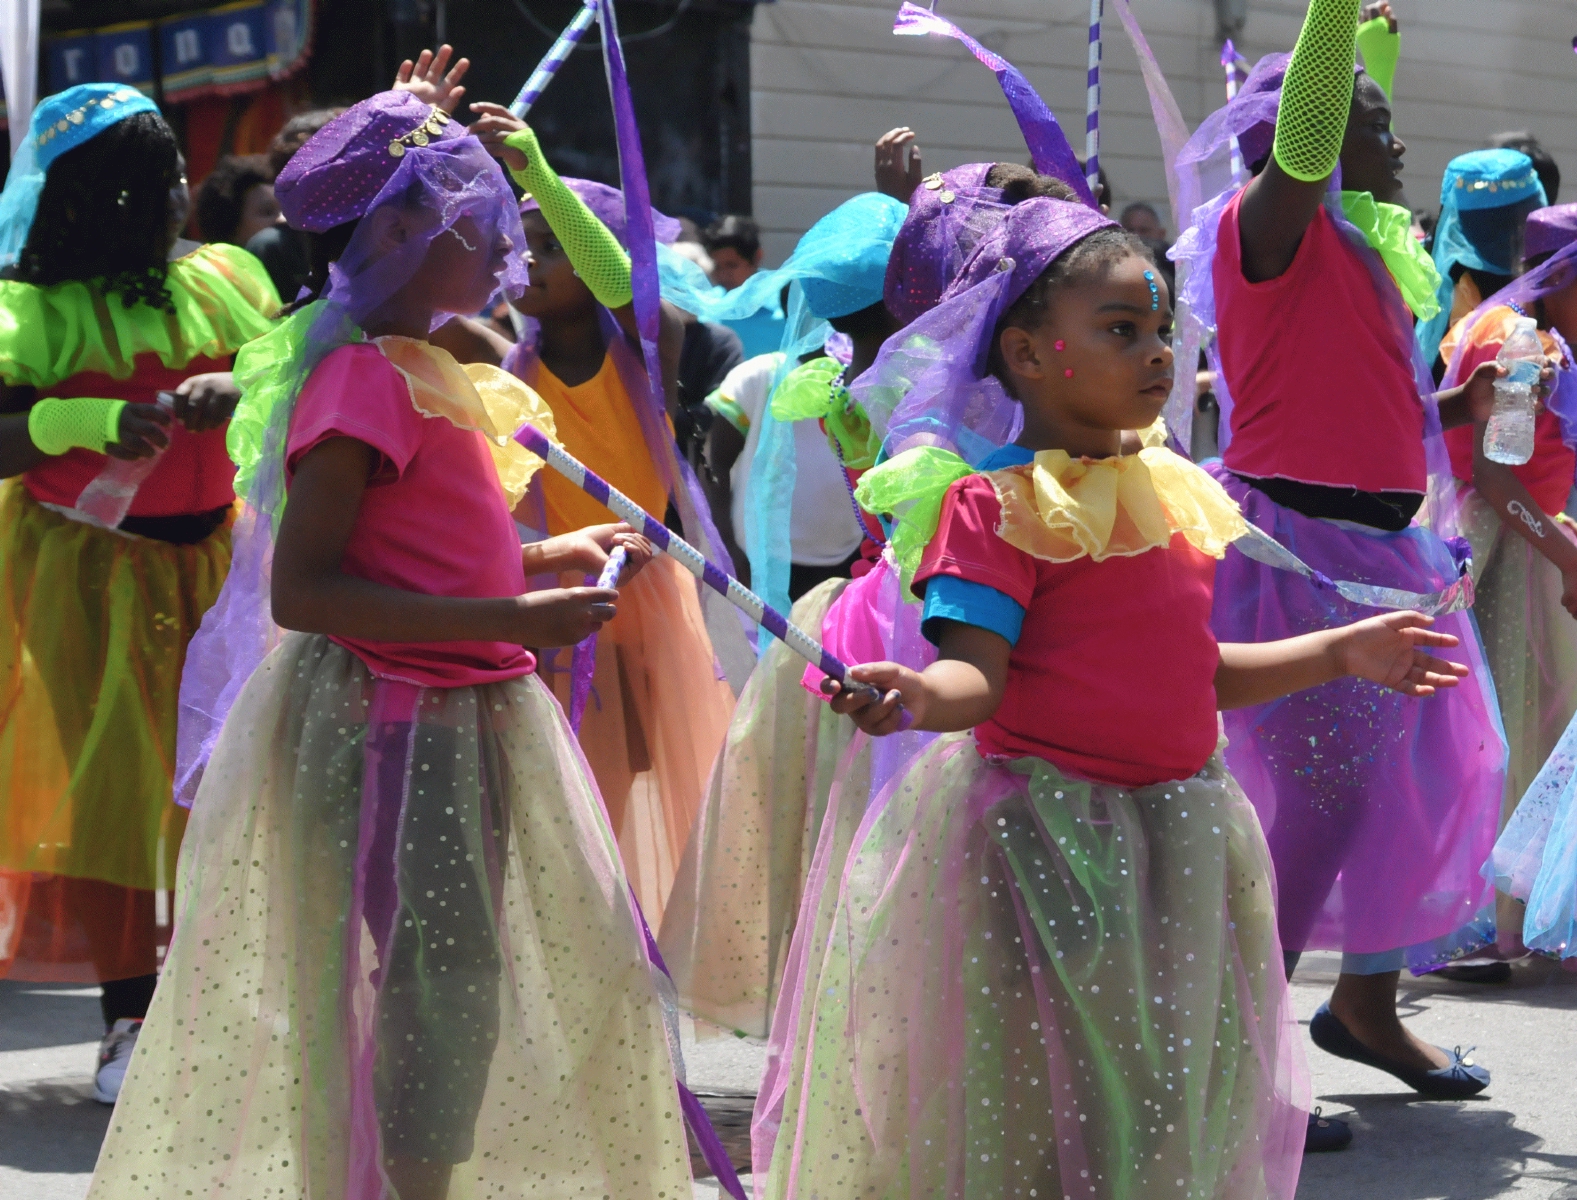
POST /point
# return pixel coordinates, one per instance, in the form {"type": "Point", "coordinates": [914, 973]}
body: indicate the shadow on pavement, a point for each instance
{"type": "Point", "coordinates": [1407, 1149]}
{"type": "Point", "coordinates": [34, 1016]}
{"type": "Point", "coordinates": [52, 1126]}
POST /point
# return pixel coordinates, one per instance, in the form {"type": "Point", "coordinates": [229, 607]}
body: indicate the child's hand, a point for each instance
{"type": "Point", "coordinates": [494, 125]}
{"type": "Point", "coordinates": [563, 616]}
{"type": "Point", "coordinates": [205, 402]}
{"type": "Point", "coordinates": [1569, 591]}
{"type": "Point", "coordinates": [1380, 9]}
{"type": "Point", "coordinates": [586, 550]}
{"type": "Point", "coordinates": [425, 79]}
{"type": "Point", "coordinates": [1478, 390]}
{"type": "Point", "coordinates": [1386, 650]}
{"type": "Point", "coordinates": [893, 177]}
{"type": "Point", "coordinates": [902, 704]}
{"type": "Point", "coordinates": [142, 432]}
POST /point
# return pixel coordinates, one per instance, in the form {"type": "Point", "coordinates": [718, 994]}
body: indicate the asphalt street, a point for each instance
{"type": "Point", "coordinates": [1518, 1139]}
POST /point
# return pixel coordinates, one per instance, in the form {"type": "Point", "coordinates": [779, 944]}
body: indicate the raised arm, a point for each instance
{"type": "Point", "coordinates": [1316, 100]}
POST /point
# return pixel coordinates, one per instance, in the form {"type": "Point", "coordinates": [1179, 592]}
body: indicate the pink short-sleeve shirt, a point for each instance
{"type": "Point", "coordinates": [433, 518]}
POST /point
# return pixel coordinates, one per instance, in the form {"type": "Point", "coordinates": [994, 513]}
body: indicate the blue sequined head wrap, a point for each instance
{"type": "Point", "coordinates": [61, 122]}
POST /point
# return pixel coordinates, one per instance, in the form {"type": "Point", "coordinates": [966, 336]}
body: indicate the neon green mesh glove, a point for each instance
{"type": "Point", "coordinates": [1317, 95]}
{"type": "Point", "coordinates": [593, 251]}
{"type": "Point", "coordinates": [1380, 49]}
{"type": "Point", "coordinates": [82, 422]}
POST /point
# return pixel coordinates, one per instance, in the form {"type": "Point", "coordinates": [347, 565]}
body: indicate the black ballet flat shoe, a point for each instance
{"type": "Point", "coordinates": [1457, 1080]}
{"type": "Point", "coordinates": [1326, 1134]}
{"type": "Point", "coordinates": [1488, 971]}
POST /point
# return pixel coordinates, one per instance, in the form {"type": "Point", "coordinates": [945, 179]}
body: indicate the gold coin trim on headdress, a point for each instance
{"type": "Point", "coordinates": [80, 114]}
{"type": "Point", "coordinates": [430, 128]}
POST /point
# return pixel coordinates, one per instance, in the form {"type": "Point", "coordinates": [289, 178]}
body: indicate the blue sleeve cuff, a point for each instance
{"type": "Point", "coordinates": [948, 598]}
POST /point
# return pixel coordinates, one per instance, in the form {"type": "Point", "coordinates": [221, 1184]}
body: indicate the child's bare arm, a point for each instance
{"type": "Point", "coordinates": [962, 688]}
{"type": "Point", "coordinates": [1387, 650]}
{"type": "Point", "coordinates": [311, 593]}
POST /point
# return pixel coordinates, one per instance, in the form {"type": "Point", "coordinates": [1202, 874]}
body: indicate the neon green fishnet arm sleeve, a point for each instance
{"type": "Point", "coordinates": [1317, 96]}
{"type": "Point", "coordinates": [81, 422]}
{"type": "Point", "coordinates": [593, 251]}
{"type": "Point", "coordinates": [1380, 49]}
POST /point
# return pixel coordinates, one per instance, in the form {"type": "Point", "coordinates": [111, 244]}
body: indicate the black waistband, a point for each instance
{"type": "Point", "coordinates": [1390, 511]}
{"type": "Point", "coordinates": [184, 529]}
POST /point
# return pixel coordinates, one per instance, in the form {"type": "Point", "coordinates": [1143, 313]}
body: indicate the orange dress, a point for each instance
{"type": "Point", "coordinates": [658, 710]}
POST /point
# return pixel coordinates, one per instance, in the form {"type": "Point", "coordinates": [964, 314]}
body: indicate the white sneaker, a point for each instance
{"type": "Point", "coordinates": [114, 1056]}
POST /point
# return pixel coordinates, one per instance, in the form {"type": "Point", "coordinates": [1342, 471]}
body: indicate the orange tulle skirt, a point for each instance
{"type": "Point", "coordinates": [94, 627]}
{"type": "Point", "coordinates": [655, 720]}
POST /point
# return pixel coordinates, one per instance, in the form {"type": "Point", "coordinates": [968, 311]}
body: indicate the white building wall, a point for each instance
{"type": "Point", "coordinates": [828, 78]}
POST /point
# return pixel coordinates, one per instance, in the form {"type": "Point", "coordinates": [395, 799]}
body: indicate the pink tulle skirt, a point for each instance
{"type": "Point", "coordinates": [1029, 985]}
{"type": "Point", "coordinates": [405, 957]}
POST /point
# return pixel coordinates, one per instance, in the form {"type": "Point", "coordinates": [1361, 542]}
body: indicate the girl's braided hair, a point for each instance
{"type": "Point", "coordinates": [104, 214]}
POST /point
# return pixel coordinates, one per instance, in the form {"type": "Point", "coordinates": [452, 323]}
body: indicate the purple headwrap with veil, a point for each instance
{"type": "Point", "coordinates": [929, 384]}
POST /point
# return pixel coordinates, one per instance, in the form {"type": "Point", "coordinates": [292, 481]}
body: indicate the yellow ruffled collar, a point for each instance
{"type": "Point", "coordinates": [474, 396]}
{"type": "Point", "coordinates": [1060, 508]}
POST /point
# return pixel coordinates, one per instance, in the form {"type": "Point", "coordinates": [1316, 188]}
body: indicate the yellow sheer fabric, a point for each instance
{"type": "Point", "coordinates": [475, 396]}
{"type": "Point", "coordinates": [1060, 508]}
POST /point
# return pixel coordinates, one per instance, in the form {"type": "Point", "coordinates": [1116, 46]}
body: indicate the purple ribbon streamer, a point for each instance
{"type": "Point", "coordinates": [641, 232]}
{"type": "Point", "coordinates": [694, 1113]}
{"type": "Point", "coordinates": [583, 663]}
{"type": "Point", "coordinates": [1048, 145]}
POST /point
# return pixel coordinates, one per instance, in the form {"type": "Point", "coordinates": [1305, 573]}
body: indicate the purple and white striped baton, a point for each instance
{"type": "Point", "coordinates": [691, 559]}
{"type": "Point", "coordinates": [1092, 106]}
{"type": "Point", "coordinates": [1237, 72]}
{"type": "Point", "coordinates": [556, 56]}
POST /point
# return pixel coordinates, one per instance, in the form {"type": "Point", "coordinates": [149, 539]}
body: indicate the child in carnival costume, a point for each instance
{"type": "Point", "coordinates": [732, 913]}
{"type": "Point", "coordinates": [1534, 863]}
{"type": "Point", "coordinates": [403, 934]}
{"type": "Point", "coordinates": [1070, 856]}
{"type": "Point", "coordinates": [1378, 813]}
{"type": "Point", "coordinates": [1486, 197]}
{"type": "Point", "coordinates": [658, 708]}
{"type": "Point", "coordinates": [98, 319]}
{"type": "Point", "coordinates": [1524, 558]}
{"type": "Point", "coordinates": [763, 830]}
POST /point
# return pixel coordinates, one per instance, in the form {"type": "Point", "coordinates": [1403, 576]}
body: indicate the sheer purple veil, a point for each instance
{"type": "Point", "coordinates": [929, 385]}
{"type": "Point", "coordinates": [391, 151]}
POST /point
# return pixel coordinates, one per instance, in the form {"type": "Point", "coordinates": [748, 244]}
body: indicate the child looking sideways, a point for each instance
{"type": "Point", "coordinates": [398, 869]}
{"type": "Point", "coordinates": [658, 711]}
{"type": "Point", "coordinates": [1070, 859]}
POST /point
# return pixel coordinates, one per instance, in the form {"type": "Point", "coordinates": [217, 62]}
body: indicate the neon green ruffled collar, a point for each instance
{"type": "Point", "coordinates": [223, 299]}
{"type": "Point", "coordinates": [811, 392]}
{"type": "Point", "coordinates": [1388, 228]}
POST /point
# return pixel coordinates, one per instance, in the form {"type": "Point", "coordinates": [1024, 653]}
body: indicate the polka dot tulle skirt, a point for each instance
{"type": "Point", "coordinates": [1036, 987]}
{"type": "Point", "coordinates": [404, 961]}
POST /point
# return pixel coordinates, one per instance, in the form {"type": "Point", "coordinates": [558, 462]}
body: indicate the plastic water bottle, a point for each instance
{"type": "Point", "coordinates": [1509, 437]}
{"type": "Point", "coordinates": [107, 498]}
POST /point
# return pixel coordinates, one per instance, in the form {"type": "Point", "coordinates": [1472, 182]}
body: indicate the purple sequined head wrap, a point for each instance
{"type": "Point", "coordinates": [393, 150]}
{"type": "Point", "coordinates": [929, 384]}
{"type": "Point", "coordinates": [335, 177]}
{"type": "Point", "coordinates": [948, 215]}
{"type": "Point", "coordinates": [1549, 230]}
{"type": "Point", "coordinates": [607, 205]}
